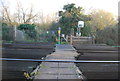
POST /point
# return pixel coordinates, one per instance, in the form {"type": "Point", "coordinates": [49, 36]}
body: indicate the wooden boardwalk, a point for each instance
{"type": "Point", "coordinates": [60, 70]}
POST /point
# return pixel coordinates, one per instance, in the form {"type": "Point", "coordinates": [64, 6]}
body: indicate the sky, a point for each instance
{"type": "Point", "coordinates": [52, 6]}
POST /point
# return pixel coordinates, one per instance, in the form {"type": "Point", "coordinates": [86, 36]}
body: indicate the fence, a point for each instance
{"type": "Point", "coordinates": [80, 40]}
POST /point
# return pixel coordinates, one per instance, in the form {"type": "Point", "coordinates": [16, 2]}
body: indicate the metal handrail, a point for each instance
{"type": "Point", "coordinates": [69, 61]}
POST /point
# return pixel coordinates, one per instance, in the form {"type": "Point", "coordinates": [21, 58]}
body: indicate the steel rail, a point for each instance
{"type": "Point", "coordinates": [72, 61]}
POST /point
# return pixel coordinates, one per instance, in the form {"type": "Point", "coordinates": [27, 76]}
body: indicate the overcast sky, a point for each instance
{"type": "Point", "coordinates": [52, 6]}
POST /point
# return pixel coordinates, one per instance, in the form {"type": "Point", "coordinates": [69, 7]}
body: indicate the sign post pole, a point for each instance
{"type": "Point", "coordinates": [59, 31]}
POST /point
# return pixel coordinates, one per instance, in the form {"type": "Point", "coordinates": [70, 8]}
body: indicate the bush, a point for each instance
{"type": "Point", "coordinates": [29, 29]}
{"type": "Point", "coordinates": [108, 35]}
{"type": "Point", "coordinates": [110, 42]}
{"type": "Point", "coordinates": [7, 32]}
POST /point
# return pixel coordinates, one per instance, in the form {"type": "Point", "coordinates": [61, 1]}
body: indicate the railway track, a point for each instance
{"type": "Point", "coordinates": [95, 71]}
{"type": "Point", "coordinates": [91, 60]}
{"type": "Point", "coordinates": [17, 69]}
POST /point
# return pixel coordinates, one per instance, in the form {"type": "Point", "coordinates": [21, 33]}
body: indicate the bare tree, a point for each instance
{"type": "Point", "coordinates": [102, 19]}
{"type": "Point", "coordinates": [6, 13]}
{"type": "Point", "coordinates": [18, 15]}
{"type": "Point", "coordinates": [30, 15]}
{"type": "Point", "coordinates": [25, 15]}
{"type": "Point", "coordinates": [21, 15]}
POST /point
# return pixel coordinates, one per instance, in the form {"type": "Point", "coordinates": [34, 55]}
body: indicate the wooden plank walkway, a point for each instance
{"type": "Point", "coordinates": [59, 70]}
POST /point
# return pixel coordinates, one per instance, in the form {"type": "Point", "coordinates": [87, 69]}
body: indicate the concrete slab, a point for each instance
{"type": "Point", "coordinates": [60, 57]}
{"type": "Point", "coordinates": [53, 71]}
{"type": "Point", "coordinates": [59, 70]}
{"type": "Point", "coordinates": [46, 76]}
{"type": "Point", "coordinates": [49, 65]}
{"type": "Point", "coordinates": [66, 71]}
{"type": "Point", "coordinates": [68, 80]}
{"type": "Point", "coordinates": [66, 65]}
{"type": "Point", "coordinates": [68, 77]}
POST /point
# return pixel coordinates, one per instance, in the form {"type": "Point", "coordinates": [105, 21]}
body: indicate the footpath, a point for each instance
{"type": "Point", "coordinates": [60, 70]}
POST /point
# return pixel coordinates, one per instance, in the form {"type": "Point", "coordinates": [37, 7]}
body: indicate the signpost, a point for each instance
{"type": "Point", "coordinates": [15, 29]}
{"type": "Point", "coordinates": [80, 25]}
{"type": "Point", "coordinates": [59, 31]}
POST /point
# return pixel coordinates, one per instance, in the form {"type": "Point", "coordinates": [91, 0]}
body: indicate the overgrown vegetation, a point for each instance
{"type": "Point", "coordinates": [69, 18]}
{"type": "Point", "coordinates": [104, 27]}
{"type": "Point", "coordinates": [108, 35]}
{"type": "Point", "coordinates": [29, 29]}
{"type": "Point", "coordinates": [99, 23]}
{"type": "Point", "coordinates": [7, 32]}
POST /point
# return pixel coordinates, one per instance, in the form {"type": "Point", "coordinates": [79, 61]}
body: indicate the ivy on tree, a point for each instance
{"type": "Point", "coordinates": [29, 29]}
